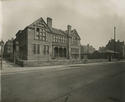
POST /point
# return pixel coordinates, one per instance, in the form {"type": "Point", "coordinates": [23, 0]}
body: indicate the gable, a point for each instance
{"type": "Point", "coordinates": [41, 24]}
{"type": "Point", "coordinates": [75, 34]}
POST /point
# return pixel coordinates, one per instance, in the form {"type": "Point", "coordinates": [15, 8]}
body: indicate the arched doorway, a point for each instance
{"type": "Point", "coordinates": [60, 52]}
{"type": "Point", "coordinates": [64, 53]}
{"type": "Point", "coordinates": [56, 52]}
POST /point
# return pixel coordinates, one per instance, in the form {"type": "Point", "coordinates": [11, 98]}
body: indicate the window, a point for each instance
{"type": "Point", "coordinates": [44, 32]}
{"type": "Point", "coordinates": [57, 38]}
{"type": "Point", "coordinates": [63, 39]}
{"type": "Point", "coordinates": [37, 34]}
{"type": "Point", "coordinates": [37, 29]}
{"type": "Point", "coordinates": [40, 34]}
{"type": "Point", "coordinates": [74, 40]}
{"type": "Point", "coordinates": [36, 48]}
{"type": "Point", "coordinates": [54, 38]}
{"type": "Point", "coordinates": [43, 35]}
{"type": "Point", "coordinates": [46, 49]}
{"type": "Point", "coordinates": [74, 51]}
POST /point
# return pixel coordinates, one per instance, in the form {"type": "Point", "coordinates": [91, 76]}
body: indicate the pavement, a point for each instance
{"type": "Point", "coordinates": [93, 82]}
{"type": "Point", "coordinates": [10, 68]}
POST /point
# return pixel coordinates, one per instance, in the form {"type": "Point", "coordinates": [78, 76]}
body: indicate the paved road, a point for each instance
{"type": "Point", "coordinates": [90, 83]}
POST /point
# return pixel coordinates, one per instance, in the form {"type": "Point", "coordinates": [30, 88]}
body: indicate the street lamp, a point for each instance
{"type": "Point", "coordinates": [1, 44]}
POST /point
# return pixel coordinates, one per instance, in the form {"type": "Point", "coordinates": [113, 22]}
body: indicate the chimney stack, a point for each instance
{"type": "Point", "coordinates": [49, 22]}
{"type": "Point", "coordinates": [69, 28]}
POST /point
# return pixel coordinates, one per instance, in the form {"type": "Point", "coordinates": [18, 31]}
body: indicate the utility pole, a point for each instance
{"type": "Point", "coordinates": [114, 41]}
{"type": "Point", "coordinates": [114, 33]}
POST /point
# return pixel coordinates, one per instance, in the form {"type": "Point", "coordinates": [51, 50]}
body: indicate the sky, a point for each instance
{"type": "Point", "coordinates": [94, 20]}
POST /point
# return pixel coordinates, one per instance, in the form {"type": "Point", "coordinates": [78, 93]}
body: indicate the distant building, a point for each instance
{"type": "Point", "coordinates": [101, 49]}
{"type": "Point", "coordinates": [91, 49]}
{"type": "Point", "coordinates": [41, 42]}
{"type": "Point", "coordinates": [87, 50]}
{"type": "Point", "coordinates": [1, 48]}
{"type": "Point", "coordinates": [117, 46]}
{"type": "Point", "coordinates": [8, 50]}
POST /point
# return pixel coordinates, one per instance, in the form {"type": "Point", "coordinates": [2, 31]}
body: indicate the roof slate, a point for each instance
{"type": "Point", "coordinates": [58, 31]}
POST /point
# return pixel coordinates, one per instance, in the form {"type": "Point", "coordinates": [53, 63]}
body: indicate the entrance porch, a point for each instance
{"type": "Point", "coordinates": [59, 52]}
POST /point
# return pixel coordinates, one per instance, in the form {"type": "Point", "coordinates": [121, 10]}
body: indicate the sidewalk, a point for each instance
{"type": "Point", "coordinates": [12, 70]}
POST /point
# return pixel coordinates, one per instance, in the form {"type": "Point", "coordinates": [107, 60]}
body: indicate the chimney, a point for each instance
{"type": "Point", "coordinates": [69, 29]}
{"type": "Point", "coordinates": [49, 22]}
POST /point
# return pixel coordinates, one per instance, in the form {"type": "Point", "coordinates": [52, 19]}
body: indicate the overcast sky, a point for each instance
{"type": "Point", "coordinates": [93, 19]}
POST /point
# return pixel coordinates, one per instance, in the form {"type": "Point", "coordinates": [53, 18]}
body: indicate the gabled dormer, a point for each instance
{"type": "Point", "coordinates": [40, 23]}
{"type": "Point", "coordinates": [75, 34]}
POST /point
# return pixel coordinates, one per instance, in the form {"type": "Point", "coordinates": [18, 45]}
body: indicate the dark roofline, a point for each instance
{"type": "Point", "coordinates": [36, 21]}
{"type": "Point", "coordinates": [76, 33]}
{"type": "Point", "coordinates": [19, 32]}
{"type": "Point", "coordinates": [61, 31]}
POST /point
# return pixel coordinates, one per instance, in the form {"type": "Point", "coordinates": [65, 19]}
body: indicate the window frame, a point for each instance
{"type": "Point", "coordinates": [40, 34]}
{"type": "Point", "coordinates": [46, 50]}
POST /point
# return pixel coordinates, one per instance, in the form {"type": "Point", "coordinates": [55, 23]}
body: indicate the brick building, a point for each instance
{"type": "Point", "coordinates": [117, 46]}
{"type": "Point", "coordinates": [8, 50]}
{"type": "Point", "coordinates": [86, 50]}
{"type": "Point", "coordinates": [1, 48]}
{"type": "Point", "coordinates": [41, 42]}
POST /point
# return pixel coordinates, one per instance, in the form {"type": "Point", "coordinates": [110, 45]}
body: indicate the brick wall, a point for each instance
{"type": "Point", "coordinates": [22, 40]}
{"type": "Point", "coordinates": [32, 40]}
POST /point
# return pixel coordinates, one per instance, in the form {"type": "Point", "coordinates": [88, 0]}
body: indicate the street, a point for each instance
{"type": "Point", "coordinates": [79, 83]}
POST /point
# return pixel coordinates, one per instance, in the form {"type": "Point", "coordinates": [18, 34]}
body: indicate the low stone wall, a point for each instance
{"type": "Point", "coordinates": [97, 60]}
{"type": "Point", "coordinates": [36, 63]}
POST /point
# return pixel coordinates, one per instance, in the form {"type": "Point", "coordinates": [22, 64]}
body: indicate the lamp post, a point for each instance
{"type": "Point", "coordinates": [88, 50]}
{"type": "Point", "coordinates": [1, 44]}
{"type": "Point", "coordinates": [114, 42]}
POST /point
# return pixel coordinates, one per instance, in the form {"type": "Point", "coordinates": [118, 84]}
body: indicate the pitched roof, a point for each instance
{"type": "Point", "coordinates": [75, 32]}
{"type": "Point", "coordinates": [53, 30]}
{"type": "Point", "coordinates": [58, 31]}
{"type": "Point", "coordinates": [109, 51]}
{"type": "Point", "coordinates": [39, 20]}
{"type": "Point", "coordinates": [19, 32]}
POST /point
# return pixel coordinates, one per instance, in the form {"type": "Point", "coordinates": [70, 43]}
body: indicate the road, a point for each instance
{"type": "Point", "coordinates": [80, 83]}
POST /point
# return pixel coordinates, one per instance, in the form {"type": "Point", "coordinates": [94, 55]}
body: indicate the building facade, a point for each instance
{"type": "Point", "coordinates": [117, 46]}
{"type": "Point", "coordinates": [1, 48]}
{"type": "Point", "coordinates": [40, 41]}
{"type": "Point", "coordinates": [8, 50]}
{"type": "Point", "coordinates": [87, 50]}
